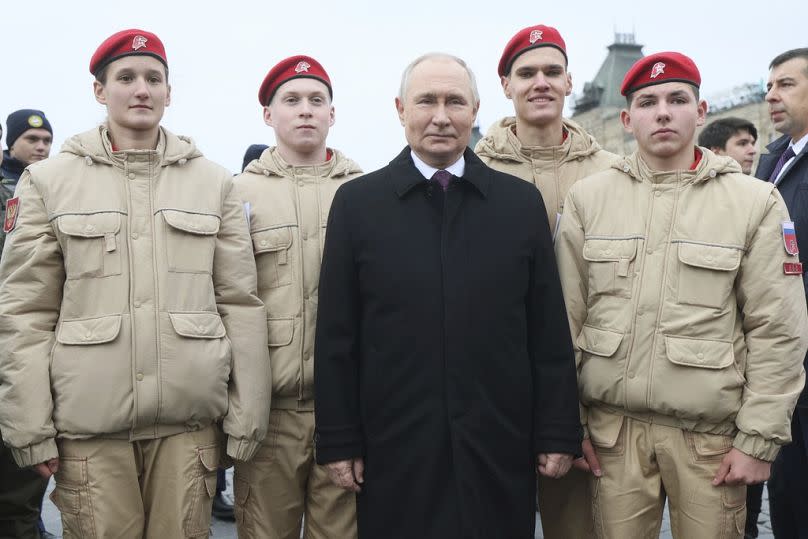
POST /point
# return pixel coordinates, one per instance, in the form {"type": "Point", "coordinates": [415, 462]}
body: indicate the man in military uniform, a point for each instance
{"type": "Point", "coordinates": [29, 137]}
{"type": "Point", "coordinates": [131, 333]}
{"type": "Point", "coordinates": [21, 489]}
{"type": "Point", "coordinates": [287, 194]}
{"type": "Point", "coordinates": [551, 152]}
{"type": "Point", "coordinates": [686, 305]}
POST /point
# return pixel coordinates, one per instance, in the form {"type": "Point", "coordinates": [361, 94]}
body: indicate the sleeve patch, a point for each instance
{"type": "Point", "coordinates": [12, 212]}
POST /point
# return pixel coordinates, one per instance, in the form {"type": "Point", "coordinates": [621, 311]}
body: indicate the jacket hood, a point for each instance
{"type": "Point", "coordinates": [710, 166]}
{"type": "Point", "coordinates": [272, 164]}
{"type": "Point", "coordinates": [96, 146]}
{"type": "Point", "coordinates": [501, 143]}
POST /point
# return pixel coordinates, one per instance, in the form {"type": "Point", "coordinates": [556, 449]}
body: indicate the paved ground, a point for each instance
{"type": "Point", "coordinates": [221, 529]}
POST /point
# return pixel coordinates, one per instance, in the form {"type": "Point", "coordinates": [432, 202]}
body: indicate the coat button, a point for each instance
{"type": "Point", "coordinates": [131, 175]}
{"type": "Point", "coordinates": [713, 173]}
{"type": "Point", "coordinates": [134, 235]}
{"type": "Point", "coordinates": [300, 183]}
{"type": "Point", "coordinates": [88, 335]}
{"type": "Point", "coordinates": [305, 236]}
{"type": "Point", "coordinates": [137, 305]}
{"type": "Point", "coordinates": [657, 194]}
{"type": "Point", "coordinates": [263, 243]}
{"type": "Point", "coordinates": [632, 374]}
{"type": "Point", "coordinates": [626, 168]}
{"type": "Point", "coordinates": [89, 228]}
{"type": "Point", "coordinates": [139, 377]}
{"type": "Point", "coordinates": [200, 329]}
{"type": "Point", "coordinates": [700, 356]}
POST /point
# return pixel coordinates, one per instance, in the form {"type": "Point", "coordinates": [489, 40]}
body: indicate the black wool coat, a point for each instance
{"type": "Point", "coordinates": [793, 186]}
{"type": "Point", "coordinates": [443, 354]}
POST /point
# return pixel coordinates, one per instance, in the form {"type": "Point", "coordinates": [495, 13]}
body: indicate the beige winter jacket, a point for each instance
{"type": "Point", "coordinates": [678, 301]}
{"type": "Point", "coordinates": [552, 169]}
{"type": "Point", "coordinates": [128, 306]}
{"type": "Point", "coordinates": [288, 207]}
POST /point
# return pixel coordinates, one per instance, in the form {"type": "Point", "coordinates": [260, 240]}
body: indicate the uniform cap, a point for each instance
{"type": "Point", "coordinates": [127, 43]}
{"type": "Point", "coordinates": [528, 38]}
{"type": "Point", "coordinates": [660, 68]}
{"type": "Point", "coordinates": [20, 121]}
{"type": "Point", "coordinates": [294, 67]}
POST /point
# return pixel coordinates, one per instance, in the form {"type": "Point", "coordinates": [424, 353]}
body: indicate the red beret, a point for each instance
{"type": "Point", "coordinates": [658, 68]}
{"type": "Point", "coordinates": [294, 67]}
{"type": "Point", "coordinates": [530, 38]}
{"type": "Point", "coordinates": [127, 43]}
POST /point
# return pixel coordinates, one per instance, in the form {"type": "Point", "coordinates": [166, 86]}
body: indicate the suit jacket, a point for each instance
{"type": "Point", "coordinates": [443, 354]}
{"type": "Point", "coordinates": [794, 188]}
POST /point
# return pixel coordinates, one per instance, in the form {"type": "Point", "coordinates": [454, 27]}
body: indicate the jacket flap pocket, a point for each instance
{"type": "Point", "coordinates": [93, 225]}
{"type": "Point", "coordinates": [699, 352]}
{"type": "Point", "coordinates": [713, 257]}
{"type": "Point", "coordinates": [600, 342]}
{"type": "Point", "coordinates": [610, 250]}
{"type": "Point", "coordinates": [276, 239]}
{"type": "Point", "coordinates": [604, 427]}
{"type": "Point", "coordinates": [193, 223]}
{"type": "Point", "coordinates": [198, 325]}
{"type": "Point", "coordinates": [89, 330]}
{"type": "Point", "coordinates": [280, 331]}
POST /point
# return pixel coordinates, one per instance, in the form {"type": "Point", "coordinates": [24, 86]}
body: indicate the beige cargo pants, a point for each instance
{"type": "Point", "coordinates": [645, 463]}
{"type": "Point", "coordinates": [282, 484]}
{"type": "Point", "coordinates": [151, 489]}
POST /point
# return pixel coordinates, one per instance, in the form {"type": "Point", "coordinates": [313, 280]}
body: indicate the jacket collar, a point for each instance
{"type": "Point", "coordinates": [406, 176]}
{"type": "Point", "coordinates": [12, 164]}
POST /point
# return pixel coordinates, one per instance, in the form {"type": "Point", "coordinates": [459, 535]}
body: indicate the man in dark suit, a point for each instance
{"type": "Point", "coordinates": [786, 165]}
{"type": "Point", "coordinates": [445, 375]}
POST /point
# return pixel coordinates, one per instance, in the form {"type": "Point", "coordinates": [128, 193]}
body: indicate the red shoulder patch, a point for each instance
{"type": "Point", "coordinates": [12, 211]}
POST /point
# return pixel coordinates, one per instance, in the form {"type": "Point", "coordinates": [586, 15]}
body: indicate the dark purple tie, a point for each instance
{"type": "Point", "coordinates": [788, 154]}
{"type": "Point", "coordinates": [443, 177]}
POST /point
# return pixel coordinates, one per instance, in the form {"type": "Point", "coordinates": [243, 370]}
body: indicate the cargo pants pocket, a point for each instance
{"type": "Point", "coordinates": [705, 449]}
{"type": "Point", "coordinates": [72, 497]}
{"type": "Point", "coordinates": [203, 488]}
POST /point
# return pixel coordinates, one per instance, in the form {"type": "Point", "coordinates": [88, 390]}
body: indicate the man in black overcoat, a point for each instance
{"type": "Point", "coordinates": [445, 374]}
{"type": "Point", "coordinates": [786, 165]}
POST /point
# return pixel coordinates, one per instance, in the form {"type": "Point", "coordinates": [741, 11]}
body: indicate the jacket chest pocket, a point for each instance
{"type": "Point", "coordinates": [706, 273]}
{"type": "Point", "coordinates": [611, 265]}
{"type": "Point", "coordinates": [272, 249]}
{"type": "Point", "coordinates": [91, 244]}
{"type": "Point", "coordinates": [190, 241]}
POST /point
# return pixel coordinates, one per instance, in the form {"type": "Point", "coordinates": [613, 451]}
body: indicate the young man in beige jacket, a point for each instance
{"type": "Point", "coordinates": [129, 318]}
{"type": "Point", "coordinates": [287, 195]}
{"type": "Point", "coordinates": [552, 152]}
{"type": "Point", "coordinates": [684, 293]}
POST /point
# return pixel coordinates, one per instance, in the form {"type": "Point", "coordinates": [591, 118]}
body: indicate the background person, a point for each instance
{"type": "Point", "coordinates": [734, 137]}
{"type": "Point", "coordinates": [786, 165]}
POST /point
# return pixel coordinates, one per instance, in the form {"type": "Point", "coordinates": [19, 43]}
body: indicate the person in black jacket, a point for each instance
{"type": "Point", "coordinates": [786, 165]}
{"type": "Point", "coordinates": [29, 138]}
{"type": "Point", "coordinates": [445, 374]}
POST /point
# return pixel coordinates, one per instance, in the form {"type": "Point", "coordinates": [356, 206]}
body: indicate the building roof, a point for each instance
{"type": "Point", "coordinates": [604, 89]}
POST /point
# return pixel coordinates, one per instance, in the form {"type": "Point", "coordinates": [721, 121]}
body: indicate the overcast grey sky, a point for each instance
{"type": "Point", "coordinates": [219, 52]}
